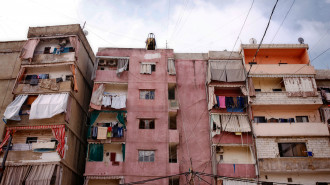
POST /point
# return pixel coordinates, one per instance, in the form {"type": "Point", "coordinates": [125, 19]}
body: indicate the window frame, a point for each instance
{"type": "Point", "coordinates": [150, 125]}
{"type": "Point", "coordinates": [142, 155]}
{"type": "Point", "coordinates": [292, 147]}
{"type": "Point", "coordinates": [149, 92]}
{"type": "Point", "coordinates": [300, 119]}
{"type": "Point", "coordinates": [254, 119]}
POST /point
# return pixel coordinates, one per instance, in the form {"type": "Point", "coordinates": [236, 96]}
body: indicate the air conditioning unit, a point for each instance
{"type": "Point", "coordinates": [102, 62]}
{"type": "Point", "coordinates": [112, 63]}
{"type": "Point", "coordinates": [219, 149]}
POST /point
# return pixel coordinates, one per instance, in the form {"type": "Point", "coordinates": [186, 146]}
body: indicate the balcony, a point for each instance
{"type": "Point", "coordinates": [240, 171]}
{"type": "Point", "coordinates": [274, 70]}
{"type": "Point", "coordinates": [65, 86]}
{"type": "Point", "coordinates": [294, 164]}
{"type": "Point", "coordinates": [111, 76]}
{"type": "Point", "coordinates": [28, 157]}
{"type": "Point", "coordinates": [281, 98]}
{"type": "Point", "coordinates": [173, 136]}
{"type": "Point", "coordinates": [173, 105]}
{"type": "Point", "coordinates": [103, 169]}
{"type": "Point", "coordinates": [290, 129]}
{"type": "Point", "coordinates": [51, 58]}
{"type": "Point", "coordinates": [25, 121]}
{"type": "Point", "coordinates": [173, 168]}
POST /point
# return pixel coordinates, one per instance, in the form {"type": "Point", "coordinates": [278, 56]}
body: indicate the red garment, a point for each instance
{"type": "Point", "coordinates": [109, 129]}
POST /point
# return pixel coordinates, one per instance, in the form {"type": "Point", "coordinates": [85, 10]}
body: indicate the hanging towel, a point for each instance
{"type": "Point", "coordinates": [102, 132]}
{"type": "Point", "coordinates": [119, 102]}
{"type": "Point", "coordinates": [222, 100]}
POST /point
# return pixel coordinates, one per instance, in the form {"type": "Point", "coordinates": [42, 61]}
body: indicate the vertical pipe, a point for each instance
{"type": "Point", "coordinates": [5, 158]}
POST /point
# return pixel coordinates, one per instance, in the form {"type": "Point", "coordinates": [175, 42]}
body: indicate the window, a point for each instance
{"type": "Point", "coordinates": [277, 90]}
{"type": "Point", "coordinates": [172, 154]}
{"type": "Point", "coordinates": [147, 68]}
{"type": "Point", "coordinates": [174, 181]}
{"type": "Point", "coordinates": [292, 149]}
{"type": "Point", "coordinates": [30, 140]}
{"type": "Point", "coordinates": [147, 124]}
{"type": "Point", "coordinates": [259, 119]}
{"type": "Point", "coordinates": [153, 67]}
{"type": "Point", "coordinates": [147, 94]}
{"type": "Point", "coordinates": [47, 50]}
{"type": "Point", "coordinates": [302, 118]}
{"type": "Point", "coordinates": [146, 156]}
{"type": "Point", "coordinates": [258, 90]}
{"type": "Point", "coordinates": [266, 183]}
{"type": "Point", "coordinates": [171, 93]}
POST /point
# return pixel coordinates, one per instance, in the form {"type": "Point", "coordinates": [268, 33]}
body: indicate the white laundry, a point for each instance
{"type": "Point", "coordinates": [106, 101]}
{"type": "Point", "coordinates": [118, 102]}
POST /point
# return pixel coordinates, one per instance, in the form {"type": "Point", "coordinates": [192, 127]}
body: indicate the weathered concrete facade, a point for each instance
{"type": "Point", "coordinates": [64, 74]}
{"type": "Point", "coordinates": [292, 140]}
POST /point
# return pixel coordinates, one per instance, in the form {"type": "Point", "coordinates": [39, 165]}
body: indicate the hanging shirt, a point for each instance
{"type": "Point", "coordinates": [119, 102]}
{"type": "Point", "coordinates": [222, 100]}
{"type": "Point", "coordinates": [106, 101]}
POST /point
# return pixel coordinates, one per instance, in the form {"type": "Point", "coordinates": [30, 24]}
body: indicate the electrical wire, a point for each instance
{"type": "Point", "coordinates": [241, 28]}
{"type": "Point", "coordinates": [320, 54]}
{"type": "Point", "coordinates": [265, 31]}
{"type": "Point", "coordinates": [287, 13]}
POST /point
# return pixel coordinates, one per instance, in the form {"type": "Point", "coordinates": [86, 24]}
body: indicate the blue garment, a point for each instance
{"type": "Point", "coordinates": [115, 131]}
{"type": "Point", "coordinates": [120, 131]}
{"type": "Point", "coordinates": [218, 101]}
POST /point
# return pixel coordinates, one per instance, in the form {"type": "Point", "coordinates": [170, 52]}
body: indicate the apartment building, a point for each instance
{"type": "Point", "coordinates": [45, 138]}
{"type": "Point", "coordinates": [144, 102]}
{"type": "Point", "coordinates": [292, 141]}
{"type": "Point", "coordinates": [231, 135]}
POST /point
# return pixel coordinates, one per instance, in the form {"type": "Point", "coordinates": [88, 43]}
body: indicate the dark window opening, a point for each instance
{"type": "Point", "coordinates": [30, 140]}
{"type": "Point", "coordinates": [147, 124]}
{"type": "Point", "coordinates": [322, 183]}
{"type": "Point", "coordinates": [258, 90]}
{"type": "Point", "coordinates": [47, 50]}
{"type": "Point", "coordinates": [174, 181]}
{"type": "Point", "coordinates": [292, 149]}
{"type": "Point", "coordinates": [171, 93]}
{"type": "Point", "coordinates": [259, 119]}
{"type": "Point", "coordinates": [252, 63]}
{"type": "Point", "coordinates": [277, 90]}
{"type": "Point", "coordinates": [173, 154]}
{"type": "Point", "coordinates": [266, 183]}
{"type": "Point", "coordinates": [71, 49]}
{"type": "Point", "coordinates": [153, 67]}
{"type": "Point", "coordinates": [302, 118]}
{"type": "Point", "coordinates": [172, 123]}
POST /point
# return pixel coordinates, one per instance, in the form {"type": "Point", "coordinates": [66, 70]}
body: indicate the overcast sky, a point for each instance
{"type": "Point", "coordinates": [186, 25]}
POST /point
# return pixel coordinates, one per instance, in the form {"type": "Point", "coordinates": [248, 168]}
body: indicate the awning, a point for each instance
{"type": "Point", "coordinates": [12, 110]}
{"type": "Point", "coordinates": [49, 105]}
{"type": "Point", "coordinates": [235, 123]}
{"type": "Point", "coordinates": [300, 86]}
{"type": "Point", "coordinates": [31, 174]}
{"type": "Point", "coordinates": [227, 70]}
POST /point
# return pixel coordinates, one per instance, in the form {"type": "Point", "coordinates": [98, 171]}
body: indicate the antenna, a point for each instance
{"type": "Point", "coordinates": [301, 40]}
{"type": "Point", "coordinates": [253, 41]}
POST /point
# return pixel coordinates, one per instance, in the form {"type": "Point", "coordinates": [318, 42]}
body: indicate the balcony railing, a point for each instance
{"type": "Point", "coordinates": [294, 164]}
{"type": "Point", "coordinates": [111, 76]}
{"type": "Point", "coordinates": [173, 104]}
{"type": "Point", "coordinates": [281, 98]}
{"type": "Point", "coordinates": [65, 86]}
{"type": "Point", "coordinates": [51, 58]}
{"type": "Point", "coordinates": [237, 170]}
{"type": "Point", "coordinates": [25, 121]}
{"type": "Point", "coordinates": [290, 129]}
{"type": "Point", "coordinates": [104, 169]}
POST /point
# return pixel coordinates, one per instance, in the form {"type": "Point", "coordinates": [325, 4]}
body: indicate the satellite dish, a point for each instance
{"type": "Point", "coordinates": [253, 41]}
{"type": "Point", "coordinates": [86, 32]}
{"type": "Point", "coordinates": [301, 40]}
